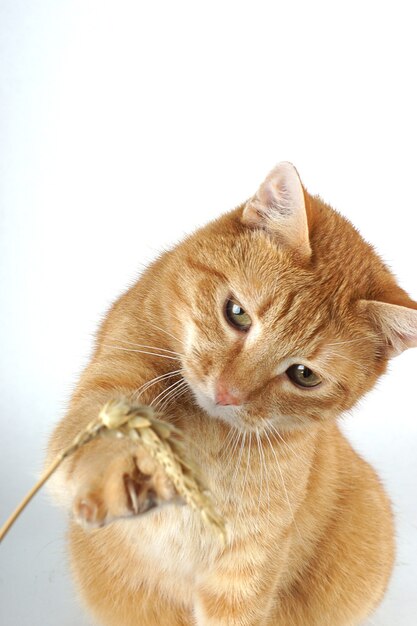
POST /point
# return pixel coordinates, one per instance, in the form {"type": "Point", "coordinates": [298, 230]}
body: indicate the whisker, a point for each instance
{"type": "Point", "coordinates": [283, 484]}
{"type": "Point", "coordinates": [179, 392]}
{"type": "Point", "coordinates": [173, 395]}
{"type": "Point", "coordinates": [263, 462]}
{"type": "Point", "coordinates": [164, 331]}
{"type": "Point", "coordinates": [164, 392]}
{"type": "Point", "coordinates": [159, 399]}
{"type": "Point", "coordinates": [140, 345]}
{"type": "Point", "coordinates": [234, 447]}
{"type": "Point", "coordinates": [258, 441]}
{"type": "Point", "coordinates": [137, 394]}
{"type": "Point", "coordinates": [342, 356]}
{"type": "Point", "coordinates": [274, 431]}
{"type": "Point", "coordinates": [228, 441]}
{"type": "Point", "coordinates": [245, 479]}
{"type": "Point", "coordinates": [184, 387]}
{"type": "Point", "coordinates": [162, 356]}
{"type": "Point", "coordinates": [242, 437]}
{"type": "Point", "coordinates": [343, 343]}
{"type": "Point", "coordinates": [238, 464]}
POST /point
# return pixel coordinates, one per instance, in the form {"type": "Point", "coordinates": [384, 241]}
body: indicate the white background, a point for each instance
{"type": "Point", "coordinates": [125, 125]}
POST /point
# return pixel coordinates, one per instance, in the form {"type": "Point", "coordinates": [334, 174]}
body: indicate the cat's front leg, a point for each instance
{"type": "Point", "coordinates": [107, 478]}
{"type": "Point", "coordinates": [241, 596]}
{"type": "Point", "coordinates": [214, 609]}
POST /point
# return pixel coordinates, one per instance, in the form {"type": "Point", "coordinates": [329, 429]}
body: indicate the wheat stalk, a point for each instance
{"type": "Point", "coordinates": [118, 418]}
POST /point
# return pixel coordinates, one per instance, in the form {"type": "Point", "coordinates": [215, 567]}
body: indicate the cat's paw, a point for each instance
{"type": "Point", "coordinates": [131, 484]}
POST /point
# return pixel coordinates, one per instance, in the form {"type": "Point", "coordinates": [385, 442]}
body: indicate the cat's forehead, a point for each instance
{"type": "Point", "coordinates": [264, 275]}
{"type": "Point", "coordinates": [255, 258]}
{"type": "Point", "coordinates": [264, 278]}
{"type": "Point", "coordinates": [265, 266]}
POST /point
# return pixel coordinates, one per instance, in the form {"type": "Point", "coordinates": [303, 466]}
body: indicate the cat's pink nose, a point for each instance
{"type": "Point", "coordinates": [226, 397]}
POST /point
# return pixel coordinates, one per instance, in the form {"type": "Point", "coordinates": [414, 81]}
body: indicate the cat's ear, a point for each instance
{"type": "Point", "coordinates": [279, 208]}
{"type": "Point", "coordinates": [397, 323]}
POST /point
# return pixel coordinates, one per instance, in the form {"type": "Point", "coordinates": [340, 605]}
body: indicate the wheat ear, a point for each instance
{"type": "Point", "coordinates": [118, 418]}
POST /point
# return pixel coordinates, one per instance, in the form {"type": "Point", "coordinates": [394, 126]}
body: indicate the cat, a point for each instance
{"type": "Point", "coordinates": [252, 335]}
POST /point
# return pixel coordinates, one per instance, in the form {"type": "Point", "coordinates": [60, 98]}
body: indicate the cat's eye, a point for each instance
{"type": "Point", "coordinates": [237, 316]}
{"type": "Point", "coordinates": [303, 376]}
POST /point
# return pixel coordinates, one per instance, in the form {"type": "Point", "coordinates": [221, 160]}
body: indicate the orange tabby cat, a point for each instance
{"type": "Point", "coordinates": [253, 335]}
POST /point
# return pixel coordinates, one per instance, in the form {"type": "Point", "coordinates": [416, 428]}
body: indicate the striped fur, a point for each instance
{"type": "Point", "coordinates": [310, 527]}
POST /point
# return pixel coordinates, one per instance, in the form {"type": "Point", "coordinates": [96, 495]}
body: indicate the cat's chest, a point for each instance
{"type": "Point", "coordinates": [170, 547]}
{"type": "Point", "coordinates": [175, 536]}
{"type": "Point", "coordinates": [173, 547]}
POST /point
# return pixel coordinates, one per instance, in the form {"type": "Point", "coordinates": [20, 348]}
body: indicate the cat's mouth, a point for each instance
{"type": "Point", "coordinates": [225, 403]}
{"type": "Point", "coordinates": [229, 413]}
{"type": "Point", "coordinates": [206, 400]}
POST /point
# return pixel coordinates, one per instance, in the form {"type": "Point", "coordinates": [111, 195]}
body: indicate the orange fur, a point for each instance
{"type": "Point", "coordinates": [310, 527]}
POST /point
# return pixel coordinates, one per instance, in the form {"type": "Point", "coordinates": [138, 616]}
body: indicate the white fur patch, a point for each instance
{"type": "Point", "coordinates": [229, 414]}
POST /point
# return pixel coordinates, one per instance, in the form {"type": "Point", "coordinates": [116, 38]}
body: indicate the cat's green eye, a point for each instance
{"type": "Point", "coordinates": [303, 376]}
{"type": "Point", "coordinates": [237, 316]}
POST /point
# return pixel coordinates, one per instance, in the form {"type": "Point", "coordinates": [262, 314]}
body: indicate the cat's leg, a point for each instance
{"type": "Point", "coordinates": [105, 480]}
{"type": "Point", "coordinates": [348, 576]}
{"type": "Point", "coordinates": [342, 582]}
{"type": "Point", "coordinates": [211, 608]}
{"type": "Point", "coordinates": [240, 589]}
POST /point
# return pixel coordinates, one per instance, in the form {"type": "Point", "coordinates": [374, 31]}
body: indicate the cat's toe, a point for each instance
{"type": "Point", "coordinates": [89, 511]}
{"type": "Point", "coordinates": [141, 495]}
{"type": "Point", "coordinates": [160, 488]}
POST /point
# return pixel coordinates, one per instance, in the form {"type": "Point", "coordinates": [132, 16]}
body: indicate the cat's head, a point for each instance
{"type": "Point", "coordinates": [286, 314]}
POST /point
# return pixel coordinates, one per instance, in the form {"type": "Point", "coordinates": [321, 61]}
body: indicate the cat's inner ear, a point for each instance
{"type": "Point", "coordinates": [397, 323]}
{"type": "Point", "coordinates": [279, 208]}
